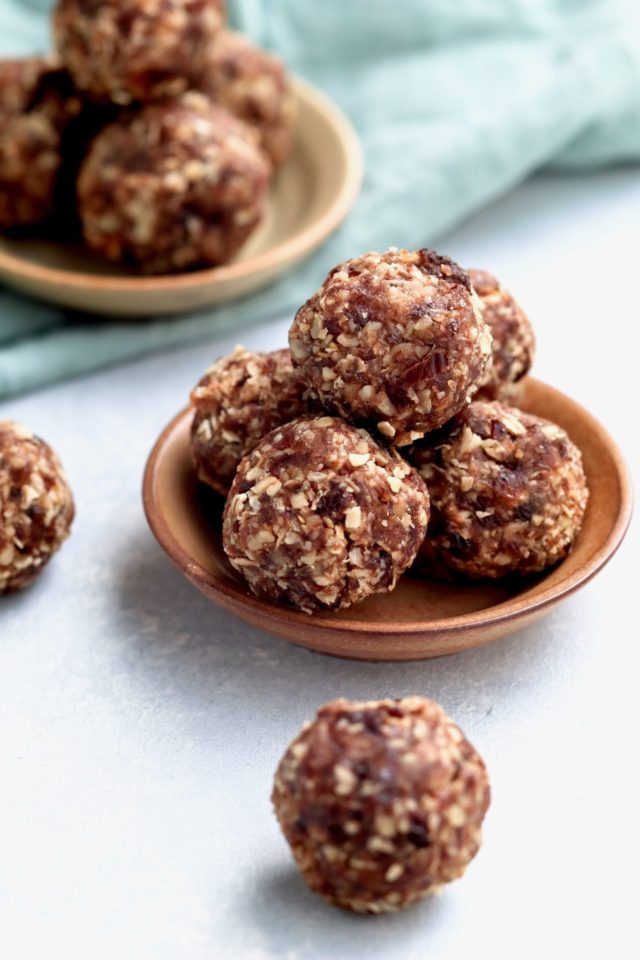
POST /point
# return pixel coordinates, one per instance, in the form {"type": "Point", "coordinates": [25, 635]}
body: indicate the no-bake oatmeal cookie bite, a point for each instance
{"type": "Point", "coordinates": [321, 516]}
{"type": "Point", "coordinates": [394, 341]}
{"type": "Point", "coordinates": [128, 51]}
{"type": "Point", "coordinates": [36, 506]}
{"type": "Point", "coordinates": [508, 493]}
{"type": "Point", "coordinates": [174, 186]}
{"type": "Point", "coordinates": [239, 400]}
{"type": "Point", "coordinates": [382, 802]}
{"type": "Point", "coordinates": [513, 345]}
{"type": "Point", "coordinates": [37, 104]}
{"type": "Point", "coordinates": [254, 86]}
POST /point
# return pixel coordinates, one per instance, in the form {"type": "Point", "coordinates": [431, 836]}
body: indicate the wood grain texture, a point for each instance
{"type": "Point", "coordinates": [419, 619]}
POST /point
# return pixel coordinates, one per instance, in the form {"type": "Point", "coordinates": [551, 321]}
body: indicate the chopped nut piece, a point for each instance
{"type": "Point", "coordinates": [353, 518]}
{"type": "Point", "coordinates": [370, 832]}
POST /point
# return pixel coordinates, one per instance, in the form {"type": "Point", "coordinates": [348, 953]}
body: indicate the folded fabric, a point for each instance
{"type": "Point", "coordinates": [454, 104]}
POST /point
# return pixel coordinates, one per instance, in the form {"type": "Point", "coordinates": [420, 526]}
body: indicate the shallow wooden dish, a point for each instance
{"type": "Point", "coordinates": [418, 619]}
{"type": "Point", "coordinates": [309, 198]}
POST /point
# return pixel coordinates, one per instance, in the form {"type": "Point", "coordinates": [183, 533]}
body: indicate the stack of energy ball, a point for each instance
{"type": "Point", "coordinates": [387, 435]}
{"type": "Point", "coordinates": [154, 127]}
{"type": "Point", "coordinates": [384, 435]}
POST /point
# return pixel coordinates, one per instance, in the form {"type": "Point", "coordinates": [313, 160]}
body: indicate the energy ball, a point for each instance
{"type": "Point", "coordinates": [128, 51]}
{"type": "Point", "coordinates": [513, 340]}
{"type": "Point", "coordinates": [36, 506]}
{"type": "Point", "coordinates": [321, 516]}
{"type": "Point", "coordinates": [37, 103]}
{"type": "Point", "coordinates": [254, 86]}
{"type": "Point", "coordinates": [239, 400]}
{"type": "Point", "coordinates": [508, 493]}
{"type": "Point", "coordinates": [393, 341]}
{"type": "Point", "coordinates": [381, 802]}
{"type": "Point", "coordinates": [175, 186]}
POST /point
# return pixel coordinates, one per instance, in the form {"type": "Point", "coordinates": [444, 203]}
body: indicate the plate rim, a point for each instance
{"type": "Point", "coordinates": [500, 613]}
{"type": "Point", "coordinates": [296, 247]}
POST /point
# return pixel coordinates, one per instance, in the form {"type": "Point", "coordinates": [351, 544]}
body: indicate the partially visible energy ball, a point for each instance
{"type": "Point", "coordinates": [37, 103]}
{"type": "Point", "coordinates": [36, 506]}
{"type": "Point", "coordinates": [177, 185]}
{"type": "Point", "coordinates": [508, 493]}
{"type": "Point", "coordinates": [513, 346]}
{"type": "Point", "coordinates": [321, 516]}
{"type": "Point", "coordinates": [240, 399]}
{"type": "Point", "coordinates": [382, 802]}
{"type": "Point", "coordinates": [394, 341]}
{"type": "Point", "coordinates": [254, 86]}
{"type": "Point", "coordinates": [128, 51]}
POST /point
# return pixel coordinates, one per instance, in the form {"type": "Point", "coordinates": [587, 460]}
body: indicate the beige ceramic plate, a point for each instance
{"type": "Point", "coordinates": [310, 196]}
{"type": "Point", "coordinates": [418, 619]}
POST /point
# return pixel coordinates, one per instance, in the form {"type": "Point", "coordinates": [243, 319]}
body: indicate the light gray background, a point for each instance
{"type": "Point", "coordinates": [140, 725]}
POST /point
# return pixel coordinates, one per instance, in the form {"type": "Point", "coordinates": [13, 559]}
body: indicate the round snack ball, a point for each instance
{"type": "Point", "coordinates": [239, 400]}
{"type": "Point", "coordinates": [126, 51]}
{"type": "Point", "coordinates": [174, 186]}
{"type": "Point", "coordinates": [381, 802]}
{"type": "Point", "coordinates": [508, 493]}
{"type": "Point", "coordinates": [36, 506]}
{"type": "Point", "coordinates": [254, 86]}
{"type": "Point", "coordinates": [322, 516]}
{"type": "Point", "coordinates": [37, 102]}
{"type": "Point", "coordinates": [394, 341]}
{"type": "Point", "coordinates": [513, 346]}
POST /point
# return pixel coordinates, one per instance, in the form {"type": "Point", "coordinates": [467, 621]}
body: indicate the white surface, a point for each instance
{"type": "Point", "coordinates": [140, 726]}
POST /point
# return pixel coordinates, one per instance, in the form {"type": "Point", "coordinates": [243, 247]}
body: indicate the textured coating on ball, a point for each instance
{"type": "Point", "coordinates": [36, 506]}
{"type": "Point", "coordinates": [240, 399]}
{"type": "Point", "coordinates": [128, 51]}
{"type": "Point", "coordinates": [174, 186]}
{"type": "Point", "coordinates": [513, 347]}
{"type": "Point", "coordinates": [508, 493]}
{"type": "Point", "coordinates": [394, 341]}
{"type": "Point", "coordinates": [382, 802]}
{"type": "Point", "coordinates": [322, 516]}
{"type": "Point", "coordinates": [254, 86]}
{"type": "Point", "coordinates": [37, 103]}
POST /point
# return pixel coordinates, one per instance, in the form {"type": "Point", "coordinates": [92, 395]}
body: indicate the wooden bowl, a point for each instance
{"type": "Point", "coordinates": [418, 619]}
{"type": "Point", "coordinates": [309, 198]}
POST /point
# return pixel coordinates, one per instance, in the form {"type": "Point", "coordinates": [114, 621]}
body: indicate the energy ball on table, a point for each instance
{"type": "Point", "coordinates": [321, 516]}
{"type": "Point", "coordinates": [126, 51]}
{"type": "Point", "coordinates": [37, 103]}
{"type": "Point", "coordinates": [513, 340]}
{"type": "Point", "coordinates": [393, 341]}
{"type": "Point", "coordinates": [381, 802]}
{"type": "Point", "coordinates": [176, 185]}
{"type": "Point", "coordinates": [508, 493]}
{"type": "Point", "coordinates": [239, 400]}
{"type": "Point", "coordinates": [254, 86]}
{"type": "Point", "coordinates": [36, 506]}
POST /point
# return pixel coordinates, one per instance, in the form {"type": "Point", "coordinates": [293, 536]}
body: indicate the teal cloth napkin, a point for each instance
{"type": "Point", "coordinates": [455, 103]}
